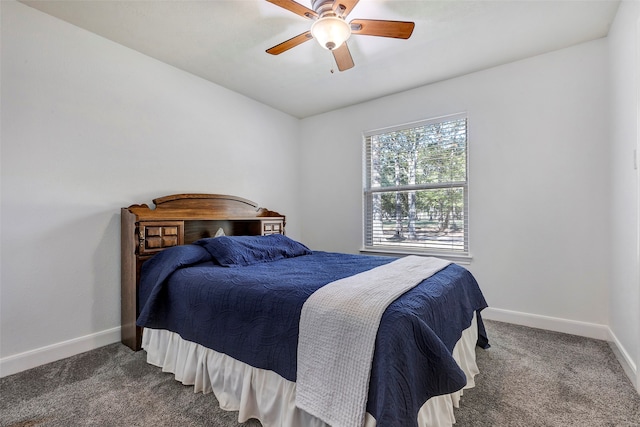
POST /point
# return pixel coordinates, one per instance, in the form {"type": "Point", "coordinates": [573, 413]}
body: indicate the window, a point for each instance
{"type": "Point", "coordinates": [416, 188]}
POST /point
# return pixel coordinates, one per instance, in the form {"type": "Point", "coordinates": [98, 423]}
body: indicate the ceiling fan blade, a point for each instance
{"type": "Point", "coordinates": [296, 8]}
{"type": "Point", "coordinates": [372, 27]}
{"type": "Point", "coordinates": [343, 57]}
{"type": "Point", "coordinates": [291, 43]}
{"type": "Point", "coordinates": [344, 7]}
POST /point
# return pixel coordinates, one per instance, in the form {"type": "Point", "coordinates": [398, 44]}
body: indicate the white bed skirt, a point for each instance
{"type": "Point", "coordinates": [265, 395]}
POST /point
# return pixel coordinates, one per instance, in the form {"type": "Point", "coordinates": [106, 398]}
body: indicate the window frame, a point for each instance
{"type": "Point", "coordinates": [462, 256]}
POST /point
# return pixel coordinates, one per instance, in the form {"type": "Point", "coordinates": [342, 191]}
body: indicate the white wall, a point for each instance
{"type": "Point", "coordinates": [624, 47]}
{"type": "Point", "coordinates": [539, 181]}
{"type": "Point", "coordinates": [89, 126]}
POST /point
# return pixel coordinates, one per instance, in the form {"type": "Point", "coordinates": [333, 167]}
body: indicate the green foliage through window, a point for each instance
{"type": "Point", "coordinates": [416, 186]}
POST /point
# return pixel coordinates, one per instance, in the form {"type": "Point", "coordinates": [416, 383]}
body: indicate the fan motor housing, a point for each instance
{"type": "Point", "coordinates": [322, 6]}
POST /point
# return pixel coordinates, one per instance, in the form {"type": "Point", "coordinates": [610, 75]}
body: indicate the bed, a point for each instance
{"type": "Point", "coordinates": [216, 294]}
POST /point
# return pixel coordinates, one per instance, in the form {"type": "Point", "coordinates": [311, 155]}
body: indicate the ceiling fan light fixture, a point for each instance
{"type": "Point", "coordinates": [331, 32]}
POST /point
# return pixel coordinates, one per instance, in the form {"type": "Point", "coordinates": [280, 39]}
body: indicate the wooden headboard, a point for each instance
{"type": "Point", "coordinates": [177, 220]}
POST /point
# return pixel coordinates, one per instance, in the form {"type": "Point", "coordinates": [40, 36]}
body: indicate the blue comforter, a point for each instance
{"type": "Point", "coordinates": [251, 313]}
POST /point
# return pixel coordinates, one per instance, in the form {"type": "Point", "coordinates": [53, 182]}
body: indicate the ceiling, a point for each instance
{"type": "Point", "coordinates": [225, 42]}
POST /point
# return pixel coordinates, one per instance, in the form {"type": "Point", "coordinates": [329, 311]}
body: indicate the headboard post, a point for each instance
{"type": "Point", "coordinates": [176, 220]}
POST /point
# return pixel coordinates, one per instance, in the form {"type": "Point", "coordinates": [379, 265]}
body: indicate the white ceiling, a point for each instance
{"type": "Point", "coordinates": [224, 41]}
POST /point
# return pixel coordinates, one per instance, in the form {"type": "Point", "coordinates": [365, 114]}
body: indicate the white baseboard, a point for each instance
{"type": "Point", "coordinates": [583, 329]}
{"type": "Point", "coordinates": [32, 358]}
{"type": "Point", "coordinates": [625, 360]}
{"type": "Point", "coordinates": [573, 327]}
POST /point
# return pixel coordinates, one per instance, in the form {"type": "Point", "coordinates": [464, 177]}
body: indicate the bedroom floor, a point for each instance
{"type": "Point", "coordinates": [532, 377]}
{"type": "Point", "coordinates": [529, 377]}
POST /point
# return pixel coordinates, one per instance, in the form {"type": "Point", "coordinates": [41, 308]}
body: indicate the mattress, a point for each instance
{"type": "Point", "coordinates": [249, 313]}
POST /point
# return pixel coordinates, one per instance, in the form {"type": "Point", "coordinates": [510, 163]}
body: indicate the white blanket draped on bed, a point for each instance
{"type": "Point", "coordinates": [338, 328]}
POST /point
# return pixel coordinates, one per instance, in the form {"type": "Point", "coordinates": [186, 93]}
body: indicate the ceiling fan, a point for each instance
{"type": "Point", "coordinates": [332, 31]}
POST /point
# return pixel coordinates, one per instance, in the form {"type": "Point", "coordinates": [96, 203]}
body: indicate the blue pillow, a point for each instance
{"type": "Point", "coordinates": [236, 251]}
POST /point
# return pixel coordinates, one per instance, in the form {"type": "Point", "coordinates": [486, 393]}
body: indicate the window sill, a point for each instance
{"type": "Point", "coordinates": [464, 259]}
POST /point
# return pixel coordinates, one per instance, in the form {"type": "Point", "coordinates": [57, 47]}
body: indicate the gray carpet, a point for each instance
{"type": "Point", "coordinates": [528, 377]}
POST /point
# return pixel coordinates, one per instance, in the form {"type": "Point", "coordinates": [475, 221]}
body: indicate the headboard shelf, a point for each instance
{"type": "Point", "coordinates": [191, 214]}
{"type": "Point", "coordinates": [199, 229]}
{"type": "Point", "coordinates": [177, 220]}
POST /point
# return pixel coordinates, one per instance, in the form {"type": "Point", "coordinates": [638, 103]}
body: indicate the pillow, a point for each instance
{"type": "Point", "coordinates": [236, 251]}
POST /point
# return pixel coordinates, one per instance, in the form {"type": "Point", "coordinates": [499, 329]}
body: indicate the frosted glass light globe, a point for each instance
{"type": "Point", "coordinates": [331, 32]}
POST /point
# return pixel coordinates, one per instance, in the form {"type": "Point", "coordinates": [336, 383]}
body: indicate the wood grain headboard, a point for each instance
{"type": "Point", "coordinates": [177, 220]}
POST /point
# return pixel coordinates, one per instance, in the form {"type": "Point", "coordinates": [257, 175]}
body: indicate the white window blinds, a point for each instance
{"type": "Point", "coordinates": [416, 188]}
